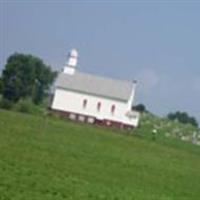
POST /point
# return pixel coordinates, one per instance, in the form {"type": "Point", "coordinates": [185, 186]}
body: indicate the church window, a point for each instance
{"type": "Point", "coordinates": [84, 103]}
{"type": "Point", "coordinates": [98, 106]}
{"type": "Point", "coordinates": [112, 109]}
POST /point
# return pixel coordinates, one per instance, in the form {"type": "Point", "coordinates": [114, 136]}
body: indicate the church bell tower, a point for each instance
{"type": "Point", "coordinates": [70, 66]}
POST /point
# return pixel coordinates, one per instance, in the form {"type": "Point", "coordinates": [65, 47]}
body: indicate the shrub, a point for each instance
{"type": "Point", "coordinates": [5, 104]}
{"type": "Point", "coordinates": [27, 106]}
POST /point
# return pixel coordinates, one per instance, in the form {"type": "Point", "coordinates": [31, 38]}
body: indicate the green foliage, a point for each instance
{"type": "Point", "coordinates": [23, 105]}
{"type": "Point", "coordinates": [21, 76]}
{"type": "Point", "coordinates": [1, 85]}
{"type": "Point", "coordinates": [166, 129]}
{"type": "Point", "coordinates": [182, 117]}
{"type": "Point", "coordinates": [48, 158]}
{"type": "Point", "coordinates": [37, 94]}
{"type": "Point", "coordinates": [140, 108]}
{"type": "Point", "coordinates": [6, 104]}
{"type": "Point", "coordinates": [27, 106]}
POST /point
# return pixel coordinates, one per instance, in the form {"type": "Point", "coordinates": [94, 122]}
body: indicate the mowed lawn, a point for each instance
{"type": "Point", "coordinates": [52, 159]}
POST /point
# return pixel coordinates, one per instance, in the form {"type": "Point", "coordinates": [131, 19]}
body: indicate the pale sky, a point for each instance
{"type": "Point", "coordinates": [155, 42]}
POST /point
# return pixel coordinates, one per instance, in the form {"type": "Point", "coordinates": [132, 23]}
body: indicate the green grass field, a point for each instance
{"type": "Point", "coordinates": [52, 159]}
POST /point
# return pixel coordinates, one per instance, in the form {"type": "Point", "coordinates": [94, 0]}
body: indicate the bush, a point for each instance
{"type": "Point", "coordinates": [6, 104]}
{"type": "Point", "coordinates": [27, 106]}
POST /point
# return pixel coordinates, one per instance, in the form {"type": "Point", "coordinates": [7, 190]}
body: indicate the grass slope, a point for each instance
{"type": "Point", "coordinates": [51, 159]}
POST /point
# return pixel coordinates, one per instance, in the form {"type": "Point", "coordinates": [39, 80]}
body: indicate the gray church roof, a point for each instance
{"type": "Point", "coordinates": [95, 85]}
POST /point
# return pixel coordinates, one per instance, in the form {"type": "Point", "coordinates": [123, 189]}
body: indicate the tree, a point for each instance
{"type": "Point", "coordinates": [182, 117]}
{"type": "Point", "coordinates": [1, 85]}
{"type": "Point", "coordinates": [37, 93]}
{"type": "Point", "coordinates": [140, 108]}
{"type": "Point", "coordinates": [20, 75]}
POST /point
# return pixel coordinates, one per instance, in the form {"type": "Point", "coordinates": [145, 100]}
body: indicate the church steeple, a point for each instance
{"type": "Point", "coordinates": [70, 66]}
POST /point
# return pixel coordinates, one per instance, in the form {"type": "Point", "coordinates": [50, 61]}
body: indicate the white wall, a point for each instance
{"type": "Point", "coordinates": [73, 102]}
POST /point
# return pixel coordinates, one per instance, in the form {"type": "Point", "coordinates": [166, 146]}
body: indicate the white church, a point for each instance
{"type": "Point", "coordinates": [93, 99]}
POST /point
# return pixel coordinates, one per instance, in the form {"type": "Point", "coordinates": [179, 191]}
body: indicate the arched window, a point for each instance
{"type": "Point", "coordinates": [98, 106]}
{"type": "Point", "coordinates": [112, 109]}
{"type": "Point", "coordinates": [84, 103]}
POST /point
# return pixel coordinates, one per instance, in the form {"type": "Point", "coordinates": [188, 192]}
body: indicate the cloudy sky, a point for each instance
{"type": "Point", "coordinates": [155, 42]}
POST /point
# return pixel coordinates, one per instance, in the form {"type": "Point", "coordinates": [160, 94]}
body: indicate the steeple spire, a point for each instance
{"type": "Point", "coordinates": [70, 66]}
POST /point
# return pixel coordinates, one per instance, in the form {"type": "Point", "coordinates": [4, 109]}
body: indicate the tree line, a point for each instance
{"type": "Point", "coordinates": [182, 117]}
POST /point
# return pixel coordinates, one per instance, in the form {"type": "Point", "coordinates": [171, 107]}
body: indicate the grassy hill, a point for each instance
{"type": "Point", "coordinates": [52, 159]}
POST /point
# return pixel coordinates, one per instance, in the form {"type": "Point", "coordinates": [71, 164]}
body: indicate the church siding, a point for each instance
{"type": "Point", "coordinates": [72, 102]}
